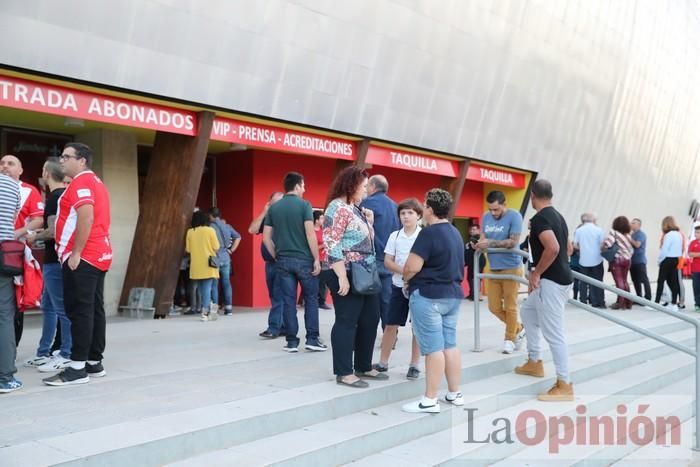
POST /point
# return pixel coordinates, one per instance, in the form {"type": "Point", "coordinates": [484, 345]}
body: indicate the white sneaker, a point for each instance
{"type": "Point", "coordinates": [36, 362]}
{"type": "Point", "coordinates": [508, 347]}
{"type": "Point", "coordinates": [56, 363]}
{"type": "Point", "coordinates": [458, 400]}
{"type": "Point", "coordinates": [519, 339]}
{"type": "Point", "coordinates": [204, 317]}
{"type": "Point", "coordinates": [672, 307]}
{"type": "Point", "coordinates": [213, 312]}
{"type": "Point", "coordinates": [418, 407]}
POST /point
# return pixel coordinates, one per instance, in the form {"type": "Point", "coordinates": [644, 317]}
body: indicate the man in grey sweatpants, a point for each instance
{"type": "Point", "coordinates": [9, 207]}
{"type": "Point", "coordinates": [549, 283]}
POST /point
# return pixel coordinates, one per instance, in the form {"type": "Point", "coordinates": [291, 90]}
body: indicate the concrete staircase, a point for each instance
{"type": "Point", "coordinates": [321, 423]}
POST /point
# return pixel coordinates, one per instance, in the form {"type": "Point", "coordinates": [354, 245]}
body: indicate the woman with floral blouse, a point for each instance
{"type": "Point", "coordinates": [349, 237]}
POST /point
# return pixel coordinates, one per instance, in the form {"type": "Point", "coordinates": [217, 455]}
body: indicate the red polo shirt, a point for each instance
{"type": "Point", "coordinates": [86, 188]}
{"type": "Point", "coordinates": [31, 204]}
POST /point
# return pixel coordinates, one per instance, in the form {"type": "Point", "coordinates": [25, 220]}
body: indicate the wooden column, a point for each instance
{"type": "Point", "coordinates": [456, 185]}
{"type": "Point", "coordinates": [340, 164]}
{"type": "Point", "coordinates": [169, 196]}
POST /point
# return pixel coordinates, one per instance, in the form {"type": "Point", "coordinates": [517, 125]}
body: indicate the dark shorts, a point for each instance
{"type": "Point", "coordinates": [398, 308]}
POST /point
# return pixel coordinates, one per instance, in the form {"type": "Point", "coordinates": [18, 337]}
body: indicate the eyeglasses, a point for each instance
{"type": "Point", "coordinates": [68, 156]}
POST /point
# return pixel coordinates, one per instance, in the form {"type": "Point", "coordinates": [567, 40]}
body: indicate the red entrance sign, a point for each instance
{"type": "Point", "coordinates": [410, 161]}
{"type": "Point", "coordinates": [57, 100]}
{"type": "Point", "coordinates": [282, 139]}
{"type": "Point", "coordinates": [481, 173]}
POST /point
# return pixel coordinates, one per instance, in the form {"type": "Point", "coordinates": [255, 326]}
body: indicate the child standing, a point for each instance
{"type": "Point", "coordinates": [397, 249]}
{"type": "Point", "coordinates": [694, 254]}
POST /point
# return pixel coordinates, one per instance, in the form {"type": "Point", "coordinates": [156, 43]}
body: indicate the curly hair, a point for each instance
{"type": "Point", "coordinates": [347, 181]}
{"type": "Point", "coordinates": [440, 201]}
{"type": "Point", "coordinates": [622, 224]}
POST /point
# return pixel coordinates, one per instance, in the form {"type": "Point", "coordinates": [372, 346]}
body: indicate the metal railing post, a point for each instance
{"type": "Point", "coordinates": [603, 314]}
{"type": "Point", "coordinates": [697, 387]}
{"type": "Point", "coordinates": [476, 294]}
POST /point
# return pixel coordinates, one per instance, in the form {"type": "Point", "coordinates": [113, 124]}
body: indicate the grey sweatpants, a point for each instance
{"type": "Point", "coordinates": [8, 349]}
{"type": "Point", "coordinates": [543, 315]}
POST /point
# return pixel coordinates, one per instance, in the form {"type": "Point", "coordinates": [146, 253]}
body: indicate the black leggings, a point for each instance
{"type": "Point", "coordinates": [668, 273]}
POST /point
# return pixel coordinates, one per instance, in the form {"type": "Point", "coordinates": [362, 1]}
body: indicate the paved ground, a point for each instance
{"type": "Point", "coordinates": [166, 366]}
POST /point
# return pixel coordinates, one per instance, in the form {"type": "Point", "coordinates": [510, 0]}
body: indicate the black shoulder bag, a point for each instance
{"type": "Point", "coordinates": [364, 279]}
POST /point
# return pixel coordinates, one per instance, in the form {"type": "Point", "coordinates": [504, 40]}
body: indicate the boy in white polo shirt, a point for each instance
{"type": "Point", "coordinates": [398, 247]}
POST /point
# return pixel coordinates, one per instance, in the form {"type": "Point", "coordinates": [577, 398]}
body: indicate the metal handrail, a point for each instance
{"type": "Point", "coordinates": [476, 291]}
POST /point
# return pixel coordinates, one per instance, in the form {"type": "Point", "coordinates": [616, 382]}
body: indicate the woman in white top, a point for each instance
{"type": "Point", "coordinates": [671, 250]}
{"type": "Point", "coordinates": [620, 266]}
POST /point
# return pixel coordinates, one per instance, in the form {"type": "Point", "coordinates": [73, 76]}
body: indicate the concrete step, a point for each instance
{"type": "Point", "coordinates": [359, 434]}
{"type": "Point", "coordinates": [448, 446]}
{"type": "Point", "coordinates": [270, 393]}
{"type": "Point", "coordinates": [673, 400]}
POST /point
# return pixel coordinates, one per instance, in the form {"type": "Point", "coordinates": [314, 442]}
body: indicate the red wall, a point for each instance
{"type": "Point", "coordinates": [245, 181]}
{"type": "Point", "coordinates": [406, 184]}
{"type": "Point", "coordinates": [471, 204]}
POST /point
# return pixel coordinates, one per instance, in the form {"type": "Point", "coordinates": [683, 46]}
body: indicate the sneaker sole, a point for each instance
{"type": "Point", "coordinates": [6, 391]}
{"type": "Point", "coordinates": [51, 370]}
{"type": "Point", "coordinates": [68, 383]}
{"type": "Point", "coordinates": [436, 409]}
{"type": "Point", "coordinates": [412, 378]}
{"type": "Point", "coordinates": [526, 373]}
{"type": "Point", "coordinates": [294, 350]}
{"type": "Point", "coordinates": [454, 402]}
{"type": "Point", "coordinates": [313, 348]}
{"type": "Point", "coordinates": [99, 374]}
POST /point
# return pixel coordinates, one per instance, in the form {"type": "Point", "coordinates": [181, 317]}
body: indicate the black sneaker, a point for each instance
{"type": "Point", "coordinates": [316, 345]}
{"type": "Point", "coordinates": [413, 373]}
{"type": "Point", "coordinates": [68, 376]}
{"type": "Point", "coordinates": [291, 347]}
{"type": "Point", "coordinates": [96, 370]}
{"type": "Point", "coordinates": [266, 334]}
{"type": "Point", "coordinates": [380, 367]}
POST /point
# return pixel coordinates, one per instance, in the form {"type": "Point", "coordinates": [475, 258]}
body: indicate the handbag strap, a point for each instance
{"type": "Point", "coordinates": [362, 216]}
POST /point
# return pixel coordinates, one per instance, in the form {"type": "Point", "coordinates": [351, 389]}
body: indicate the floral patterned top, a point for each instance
{"type": "Point", "coordinates": [347, 235]}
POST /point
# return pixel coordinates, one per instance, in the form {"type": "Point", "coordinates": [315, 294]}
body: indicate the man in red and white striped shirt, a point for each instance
{"type": "Point", "coordinates": [85, 252]}
{"type": "Point", "coordinates": [30, 216]}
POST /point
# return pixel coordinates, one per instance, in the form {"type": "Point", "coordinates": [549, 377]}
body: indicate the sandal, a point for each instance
{"type": "Point", "coordinates": [368, 375]}
{"type": "Point", "coordinates": [355, 384]}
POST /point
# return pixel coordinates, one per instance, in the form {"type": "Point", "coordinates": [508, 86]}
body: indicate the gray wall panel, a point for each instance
{"type": "Point", "coordinates": [600, 96]}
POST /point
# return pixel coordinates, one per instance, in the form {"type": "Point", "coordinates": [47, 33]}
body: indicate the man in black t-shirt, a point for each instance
{"type": "Point", "coordinates": [52, 299]}
{"type": "Point", "coordinates": [550, 281]}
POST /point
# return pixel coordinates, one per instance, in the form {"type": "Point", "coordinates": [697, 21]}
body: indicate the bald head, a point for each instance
{"type": "Point", "coordinates": [377, 183]}
{"type": "Point", "coordinates": [11, 166]}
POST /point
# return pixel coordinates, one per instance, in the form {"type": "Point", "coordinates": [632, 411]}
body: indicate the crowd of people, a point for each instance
{"type": "Point", "coordinates": [74, 223]}
{"type": "Point", "coordinates": [383, 263]}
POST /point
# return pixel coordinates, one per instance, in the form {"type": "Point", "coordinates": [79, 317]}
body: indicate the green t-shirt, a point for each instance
{"type": "Point", "coordinates": [287, 217]}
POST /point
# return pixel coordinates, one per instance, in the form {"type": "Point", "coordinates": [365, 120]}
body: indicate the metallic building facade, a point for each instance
{"type": "Point", "coordinates": [599, 96]}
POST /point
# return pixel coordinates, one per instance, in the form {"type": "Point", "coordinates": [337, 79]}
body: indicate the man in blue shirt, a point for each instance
{"type": "Point", "coordinates": [588, 240]}
{"type": "Point", "coordinates": [501, 228]}
{"type": "Point", "coordinates": [386, 220]}
{"type": "Point", "coordinates": [229, 240]}
{"type": "Point", "coordinates": [638, 270]}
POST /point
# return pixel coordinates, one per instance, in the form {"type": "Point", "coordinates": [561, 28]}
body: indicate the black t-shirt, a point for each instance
{"type": "Point", "coordinates": [50, 209]}
{"type": "Point", "coordinates": [267, 257]}
{"type": "Point", "coordinates": [550, 219]}
{"type": "Point", "coordinates": [440, 246]}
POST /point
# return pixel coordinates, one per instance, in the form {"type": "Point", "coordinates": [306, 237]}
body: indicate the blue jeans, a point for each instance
{"type": "Point", "coordinates": [54, 313]}
{"type": "Point", "coordinates": [204, 287]}
{"type": "Point", "coordinates": [290, 272]}
{"type": "Point", "coordinates": [275, 320]}
{"type": "Point", "coordinates": [696, 287]}
{"type": "Point", "coordinates": [385, 295]}
{"type": "Point", "coordinates": [225, 279]}
{"type": "Point", "coordinates": [434, 322]}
